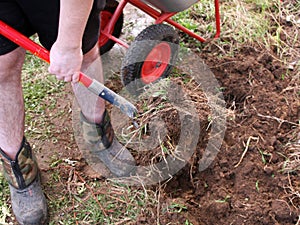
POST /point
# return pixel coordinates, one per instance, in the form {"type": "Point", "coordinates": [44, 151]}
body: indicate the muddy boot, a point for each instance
{"type": "Point", "coordinates": [103, 146]}
{"type": "Point", "coordinates": [27, 198]}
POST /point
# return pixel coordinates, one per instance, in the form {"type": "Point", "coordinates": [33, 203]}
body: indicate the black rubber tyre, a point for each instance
{"type": "Point", "coordinates": [134, 60]}
{"type": "Point", "coordinates": [110, 8]}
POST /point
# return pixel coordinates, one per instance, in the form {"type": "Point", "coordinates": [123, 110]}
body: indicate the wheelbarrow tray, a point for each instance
{"type": "Point", "coordinates": [171, 5]}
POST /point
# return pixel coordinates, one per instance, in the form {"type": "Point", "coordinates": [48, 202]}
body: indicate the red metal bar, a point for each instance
{"type": "Point", "coordinates": [23, 41]}
{"type": "Point", "coordinates": [159, 18]}
{"type": "Point", "coordinates": [163, 17]}
{"type": "Point", "coordinates": [218, 20]}
{"type": "Point", "coordinates": [185, 30]}
{"type": "Point", "coordinates": [110, 26]}
{"type": "Point", "coordinates": [156, 15]}
{"type": "Point", "coordinates": [117, 40]}
{"type": "Point", "coordinates": [146, 8]}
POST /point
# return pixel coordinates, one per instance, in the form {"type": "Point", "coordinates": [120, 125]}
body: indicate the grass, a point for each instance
{"type": "Point", "coordinates": [95, 202]}
{"type": "Point", "coordinates": [247, 21]}
{"type": "Point", "coordinates": [151, 102]}
{"type": "Point", "coordinates": [291, 167]}
{"type": "Point", "coordinates": [5, 211]}
{"type": "Point", "coordinates": [39, 88]}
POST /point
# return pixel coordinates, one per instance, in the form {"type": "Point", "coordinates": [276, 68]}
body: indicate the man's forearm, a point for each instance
{"type": "Point", "coordinates": [73, 18]}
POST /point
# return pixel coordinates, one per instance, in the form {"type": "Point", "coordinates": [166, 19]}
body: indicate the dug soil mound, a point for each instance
{"type": "Point", "coordinates": [246, 184]}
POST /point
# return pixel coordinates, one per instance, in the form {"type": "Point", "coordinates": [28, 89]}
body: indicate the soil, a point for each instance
{"type": "Point", "coordinates": [266, 114]}
{"type": "Point", "coordinates": [262, 95]}
{"type": "Point", "coordinates": [235, 189]}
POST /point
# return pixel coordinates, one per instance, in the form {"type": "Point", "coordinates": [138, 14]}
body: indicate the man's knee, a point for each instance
{"type": "Point", "coordinates": [90, 57]}
{"type": "Point", "coordinates": [11, 64]}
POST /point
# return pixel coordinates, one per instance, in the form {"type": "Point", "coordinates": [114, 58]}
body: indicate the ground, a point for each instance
{"type": "Point", "coordinates": [253, 191]}
{"type": "Point", "coordinates": [253, 180]}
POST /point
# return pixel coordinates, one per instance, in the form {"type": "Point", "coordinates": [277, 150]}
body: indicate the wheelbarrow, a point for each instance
{"type": "Point", "coordinates": [153, 53]}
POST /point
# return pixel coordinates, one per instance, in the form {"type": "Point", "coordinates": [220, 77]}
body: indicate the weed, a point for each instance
{"type": "Point", "coordinates": [187, 222]}
{"type": "Point", "coordinates": [177, 207]}
{"type": "Point", "coordinates": [264, 155]}
{"type": "Point", "coordinates": [227, 197]}
{"type": "Point", "coordinates": [257, 185]}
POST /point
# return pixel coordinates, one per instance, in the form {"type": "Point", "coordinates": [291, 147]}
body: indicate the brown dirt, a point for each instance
{"type": "Point", "coordinates": [264, 116]}
{"type": "Point", "coordinates": [264, 113]}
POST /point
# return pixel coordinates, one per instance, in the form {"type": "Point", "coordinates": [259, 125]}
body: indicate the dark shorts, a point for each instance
{"type": "Point", "coordinates": [41, 17]}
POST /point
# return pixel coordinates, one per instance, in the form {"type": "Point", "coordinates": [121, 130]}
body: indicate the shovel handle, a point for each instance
{"type": "Point", "coordinates": [91, 84]}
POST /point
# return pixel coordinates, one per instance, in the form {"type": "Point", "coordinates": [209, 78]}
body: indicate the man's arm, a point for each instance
{"type": "Point", "coordinates": [66, 54]}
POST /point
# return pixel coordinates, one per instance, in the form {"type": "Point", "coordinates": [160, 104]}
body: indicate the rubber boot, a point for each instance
{"type": "Point", "coordinates": [103, 146]}
{"type": "Point", "coordinates": [27, 198]}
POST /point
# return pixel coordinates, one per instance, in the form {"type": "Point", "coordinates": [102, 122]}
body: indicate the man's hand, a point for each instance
{"type": "Point", "coordinates": [65, 62]}
{"type": "Point", "coordinates": [66, 54]}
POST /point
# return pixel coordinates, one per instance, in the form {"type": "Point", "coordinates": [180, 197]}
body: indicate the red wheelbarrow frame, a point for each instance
{"type": "Point", "coordinates": [159, 17]}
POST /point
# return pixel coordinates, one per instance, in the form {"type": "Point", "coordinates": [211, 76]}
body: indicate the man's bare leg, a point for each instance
{"type": "Point", "coordinates": [12, 104]}
{"type": "Point", "coordinates": [91, 105]}
{"type": "Point", "coordinates": [96, 127]}
{"type": "Point", "coordinates": [16, 153]}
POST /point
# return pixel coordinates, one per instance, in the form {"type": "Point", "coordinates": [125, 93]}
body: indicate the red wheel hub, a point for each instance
{"type": "Point", "coordinates": [156, 63]}
{"type": "Point", "coordinates": [105, 17]}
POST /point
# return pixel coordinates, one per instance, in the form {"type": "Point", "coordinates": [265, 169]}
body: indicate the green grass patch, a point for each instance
{"type": "Point", "coordinates": [5, 212]}
{"type": "Point", "coordinates": [96, 202]}
{"type": "Point", "coordinates": [39, 89]}
{"type": "Point", "coordinates": [246, 21]}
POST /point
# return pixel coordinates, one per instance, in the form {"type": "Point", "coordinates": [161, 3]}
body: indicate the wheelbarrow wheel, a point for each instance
{"type": "Point", "coordinates": [150, 57]}
{"type": "Point", "coordinates": [105, 44]}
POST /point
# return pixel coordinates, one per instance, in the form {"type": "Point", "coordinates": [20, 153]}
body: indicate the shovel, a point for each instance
{"type": "Point", "coordinates": [91, 84]}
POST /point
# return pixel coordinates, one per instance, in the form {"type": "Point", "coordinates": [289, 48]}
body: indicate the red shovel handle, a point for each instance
{"type": "Point", "coordinates": [23, 41]}
{"type": "Point", "coordinates": [31, 46]}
